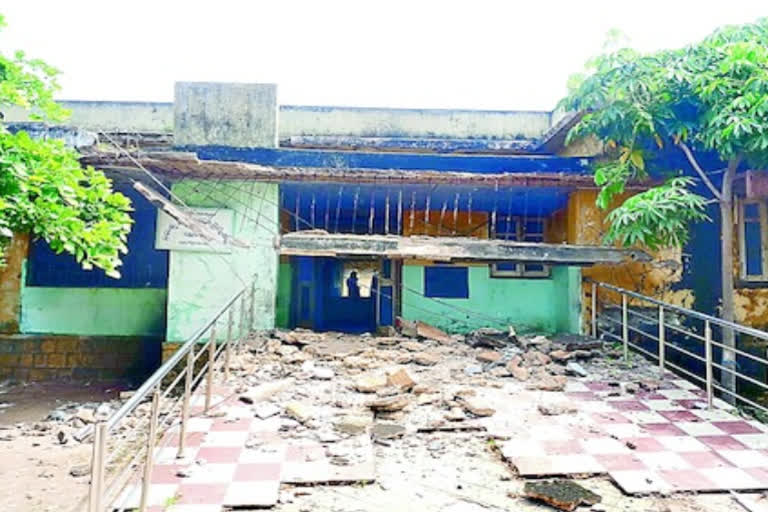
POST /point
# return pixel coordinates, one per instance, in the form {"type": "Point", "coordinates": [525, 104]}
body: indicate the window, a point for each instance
{"type": "Point", "coordinates": [525, 230]}
{"type": "Point", "coordinates": [753, 236]}
{"type": "Point", "coordinates": [447, 282]}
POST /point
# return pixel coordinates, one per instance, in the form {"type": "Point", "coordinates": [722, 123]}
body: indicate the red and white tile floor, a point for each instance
{"type": "Point", "coordinates": [233, 475]}
{"type": "Point", "coordinates": [660, 441]}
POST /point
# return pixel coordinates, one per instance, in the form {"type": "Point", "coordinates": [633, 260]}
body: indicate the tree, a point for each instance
{"type": "Point", "coordinates": [706, 99]}
{"type": "Point", "coordinates": [44, 190]}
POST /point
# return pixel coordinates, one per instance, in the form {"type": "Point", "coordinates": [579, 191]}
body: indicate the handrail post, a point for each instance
{"type": "Point", "coordinates": [662, 340]}
{"type": "Point", "coordinates": [98, 461]}
{"type": "Point", "coordinates": [185, 407]}
{"type": "Point", "coordinates": [708, 357]}
{"type": "Point", "coordinates": [151, 438]}
{"type": "Point", "coordinates": [253, 306]}
{"type": "Point", "coordinates": [624, 326]}
{"type": "Point", "coordinates": [228, 346]}
{"type": "Point", "coordinates": [243, 332]}
{"type": "Point", "coordinates": [211, 368]}
{"type": "Point", "coordinates": [594, 309]}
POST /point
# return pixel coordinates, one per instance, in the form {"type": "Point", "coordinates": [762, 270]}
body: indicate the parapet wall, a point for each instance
{"type": "Point", "coordinates": [157, 117]}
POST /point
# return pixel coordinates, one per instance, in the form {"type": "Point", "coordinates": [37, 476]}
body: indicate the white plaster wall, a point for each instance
{"type": "Point", "coordinates": [111, 115]}
{"type": "Point", "coordinates": [383, 122]}
{"type": "Point", "coordinates": [302, 120]}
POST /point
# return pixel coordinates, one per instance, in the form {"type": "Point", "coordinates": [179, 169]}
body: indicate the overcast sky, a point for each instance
{"type": "Point", "coordinates": [415, 53]}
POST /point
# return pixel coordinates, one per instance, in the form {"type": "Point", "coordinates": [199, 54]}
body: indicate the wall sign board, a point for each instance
{"type": "Point", "coordinates": [171, 235]}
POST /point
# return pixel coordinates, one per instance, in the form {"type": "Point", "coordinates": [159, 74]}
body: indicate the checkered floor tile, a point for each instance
{"type": "Point", "coordinates": [660, 441]}
{"type": "Point", "coordinates": [221, 472]}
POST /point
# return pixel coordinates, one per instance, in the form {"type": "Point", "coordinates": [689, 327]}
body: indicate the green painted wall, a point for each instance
{"type": "Point", "coordinates": [283, 300]}
{"type": "Point", "coordinates": [93, 311]}
{"type": "Point", "coordinates": [530, 305]}
{"type": "Point", "coordinates": [199, 283]}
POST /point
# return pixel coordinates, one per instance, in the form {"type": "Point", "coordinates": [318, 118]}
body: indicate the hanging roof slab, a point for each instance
{"type": "Point", "coordinates": [320, 243]}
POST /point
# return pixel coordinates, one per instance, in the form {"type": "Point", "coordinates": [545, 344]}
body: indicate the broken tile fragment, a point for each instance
{"type": "Point", "coordinates": [561, 494]}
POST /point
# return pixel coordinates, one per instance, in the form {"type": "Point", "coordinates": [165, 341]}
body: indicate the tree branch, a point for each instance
{"type": "Point", "coordinates": [699, 170]}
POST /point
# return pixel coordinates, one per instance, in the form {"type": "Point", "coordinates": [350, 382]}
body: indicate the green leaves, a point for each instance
{"type": "Point", "coordinates": [711, 95]}
{"type": "Point", "coordinates": [43, 188]}
{"type": "Point", "coordinates": [658, 217]}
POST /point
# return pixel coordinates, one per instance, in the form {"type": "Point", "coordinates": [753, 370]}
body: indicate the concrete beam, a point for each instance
{"type": "Point", "coordinates": [320, 243]}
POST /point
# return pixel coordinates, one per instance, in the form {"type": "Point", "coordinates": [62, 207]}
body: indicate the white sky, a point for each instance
{"type": "Point", "coordinates": [392, 53]}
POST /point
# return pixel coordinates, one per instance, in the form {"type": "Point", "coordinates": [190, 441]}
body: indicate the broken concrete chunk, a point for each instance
{"type": "Point", "coordinates": [455, 414]}
{"type": "Point", "coordinates": [518, 372]}
{"type": "Point", "coordinates": [353, 424]}
{"type": "Point", "coordinates": [488, 356]}
{"type": "Point", "coordinates": [560, 355]}
{"type": "Point", "coordinates": [424, 330]}
{"type": "Point", "coordinates": [477, 407]}
{"type": "Point", "coordinates": [412, 346]}
{"type": "Point", "coordinates": [401, 379]}
{"type": "Point", "coordinates": [549, 383]}
{"type": "Point", "coordinates": [387, 431]}
{"type": "Point", "coordinates": [536, 358]}
{"type": "Point", "coordinates": [264, 391]}
{"type": "Point", "coordinates": [556, 409]}
{"type": "Point", "coordinates": [561, 494]}
{"type": "Point", "coordinates": [389, 404]}
{"type": "Point", "coordinates": [85, 415]}
{"type": "Point", "coordinates": [407, 327]}
{"type": "Point", "coordinates": [425, 359]}
{"type": "Point", "coordinates": [489, 337]}
{"type": "Point", "coordinates": [80, 470]}
{"type": "Point", "coordinates": [322, 373]}
{"type": "Point", "coordinates": [576, 369]}
{"type": "Point", "coordinates": [299, 411]}
{"type": "Point", "coordinates": [370, 383]}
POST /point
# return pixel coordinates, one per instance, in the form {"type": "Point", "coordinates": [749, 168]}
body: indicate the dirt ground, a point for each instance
{"type": "Point", "coordinates": [420, 470]}
{"type": "Point", "coordinates": [34, 465]}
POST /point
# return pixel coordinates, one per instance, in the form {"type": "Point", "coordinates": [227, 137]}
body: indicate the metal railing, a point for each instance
{"type": "Point", "coordinates": [124, 445]}
{"type": "Point", "coordinates": [681, 340]}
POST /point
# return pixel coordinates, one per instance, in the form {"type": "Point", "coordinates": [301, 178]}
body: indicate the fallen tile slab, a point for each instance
{"type": "Point", "coordinates": [561, 494]}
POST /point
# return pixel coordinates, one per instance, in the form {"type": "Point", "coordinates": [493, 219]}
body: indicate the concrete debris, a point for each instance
{"type": "Point", "coordinates": [321, 373]}
{"type": "Point", "coordinates": [85, 415]}
{"type": "Point", "coordinates": [490, 338]}
{"type": "Point", "coordinates": [488, 356]}
{"type": "Point", "coordinates": [264, 391]}
{"type": "Point", "coordinates": [477, 407]}
{"type": "Point", "coordinates": [299, 411]}
{"type": "Point", "coordinates": [548, 383]}
{"type": "Point", "coordinates": [389, 404]}
{"type": "Point", "coordinates": [353, 424]}
{"type": "Point", "coordinates": [536, 358]}
{"type": "Point", "coordinates": [455, 414]}
{"type": "Point", "coordinates": [560, 355]}
{"type": "Point", "coordinates": [576, 369]}
{"type": "Point", "coordinates": [424, 330]}
{"type": "Point", "coordinates": [519, 373]}
{"type": "Point", "coordinates": [561, 494]}
{"type": "Point", "coordinates": [370, 383]}
{"type": "Point", "coordinates": [80, 470]}
{"type": "Point", "coordinates": [401, 379]}
{"type": "Point", "coordinates": [556, 409]}
{"type": "Point", "coordinates": [425, 359]}
{"type": "Point", "coordinates": [387, 431]}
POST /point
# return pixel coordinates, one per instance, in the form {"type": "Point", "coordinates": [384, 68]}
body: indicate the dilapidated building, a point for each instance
{"type": "Point", "coordinates": [345, 219]}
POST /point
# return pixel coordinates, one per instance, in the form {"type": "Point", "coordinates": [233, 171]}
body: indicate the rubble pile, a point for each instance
{"type": "Point", "coordinates": [421, 396]}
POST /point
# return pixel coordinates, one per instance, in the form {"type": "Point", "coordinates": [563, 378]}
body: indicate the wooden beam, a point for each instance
{"type": "Point", "coordinates": [319, 243]}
